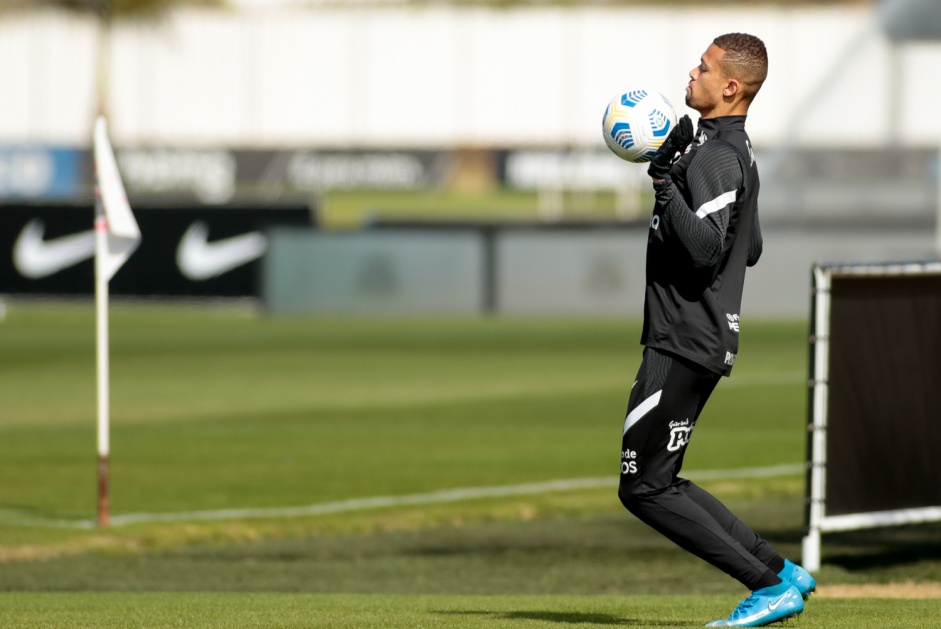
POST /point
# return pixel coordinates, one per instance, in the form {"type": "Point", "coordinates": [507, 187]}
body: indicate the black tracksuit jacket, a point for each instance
{"type": "Point", "coordinates": [703, 233]}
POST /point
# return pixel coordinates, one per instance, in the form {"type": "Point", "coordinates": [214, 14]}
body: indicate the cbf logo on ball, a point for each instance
{"type": "Point", "coordinates": [636, 123]}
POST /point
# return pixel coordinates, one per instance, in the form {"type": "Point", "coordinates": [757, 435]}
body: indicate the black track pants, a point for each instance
{"type": "Point", "coordinates": [665, 403]}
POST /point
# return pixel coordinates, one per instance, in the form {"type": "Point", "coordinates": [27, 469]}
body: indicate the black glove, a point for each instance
{"type": "Point", "coordinates": [677, 141]}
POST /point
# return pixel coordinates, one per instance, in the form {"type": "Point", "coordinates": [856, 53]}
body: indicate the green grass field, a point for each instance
{"type": "Point", "coordinates": [219, 610]}
{"type": "Point", "coordinates": [217, 409]}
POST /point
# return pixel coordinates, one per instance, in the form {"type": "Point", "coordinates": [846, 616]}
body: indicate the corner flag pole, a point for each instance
{"type": "Point", "coordinates": [101, 321]}
{"type": "Point", "coordinates": [116, 237]}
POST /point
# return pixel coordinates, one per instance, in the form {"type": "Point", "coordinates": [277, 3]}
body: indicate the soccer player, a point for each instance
{"type": "Point", "coordinates": [703, 233]}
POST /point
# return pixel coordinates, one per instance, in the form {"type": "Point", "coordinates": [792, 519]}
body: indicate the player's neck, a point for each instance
{"type": "Point", "coordinates": [723, 109]}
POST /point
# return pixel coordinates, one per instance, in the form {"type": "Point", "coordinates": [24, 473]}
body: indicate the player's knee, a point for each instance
{"type": "Point", "coordinates": [628, 493]}
{"type": "Point", "coordinates": [636, 495]}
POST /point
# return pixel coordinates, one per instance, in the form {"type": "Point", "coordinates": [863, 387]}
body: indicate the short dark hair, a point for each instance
{"type": "Point", "coordinates": [746, 59]}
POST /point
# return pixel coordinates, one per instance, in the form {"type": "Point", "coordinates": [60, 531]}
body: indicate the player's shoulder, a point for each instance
{"type": "Point", "coordinates": [717, 154]}
{"type": "Point", "coordinates": [716, 148]}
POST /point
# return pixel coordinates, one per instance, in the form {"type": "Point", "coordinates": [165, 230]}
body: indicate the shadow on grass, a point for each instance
{"type": "Point", "coordinates": [575, 618]}
{"type": "Point", "coordinates": [877, 549]}
{"type": "Point", "coordinates": [888, 558]}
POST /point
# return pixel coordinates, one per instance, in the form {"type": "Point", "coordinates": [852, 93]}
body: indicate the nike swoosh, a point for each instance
{"type": "Point", "coordinates": [36, 258]}
{"type": "Point", "coordinates": [199, 259]}
{"type": "Point", "coordinates": [775, 604]}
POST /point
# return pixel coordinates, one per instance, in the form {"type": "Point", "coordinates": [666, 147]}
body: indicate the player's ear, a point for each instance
{"type": "Point", "coordinates": [732, 87]}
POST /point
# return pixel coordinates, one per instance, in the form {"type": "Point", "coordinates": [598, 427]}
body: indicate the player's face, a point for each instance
{"type": "Point", "coordinates": [706, 82]}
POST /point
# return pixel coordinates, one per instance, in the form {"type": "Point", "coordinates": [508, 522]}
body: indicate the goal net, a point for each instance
{"type": "Point", "coordinates": [874, 433]}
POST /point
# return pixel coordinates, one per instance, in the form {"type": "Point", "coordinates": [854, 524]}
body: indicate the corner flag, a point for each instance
{"type": "Point", "coordinates": [123, 234]}
{"type": "Point", "coordinates": [116, 237]}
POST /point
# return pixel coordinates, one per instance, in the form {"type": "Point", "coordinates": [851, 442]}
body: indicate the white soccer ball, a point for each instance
{"type": "Point", "coordinates": [636, 123]}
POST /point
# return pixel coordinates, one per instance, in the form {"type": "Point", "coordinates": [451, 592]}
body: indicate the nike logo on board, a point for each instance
{"type": "Point", "coordinates": [199, 259]}
{"type": "Point", "coordinates": [36, 258]}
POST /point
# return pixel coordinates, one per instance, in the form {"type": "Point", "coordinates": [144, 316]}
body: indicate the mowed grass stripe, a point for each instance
{"type": "Point", "coordinates": [180, 365]}
{"type": "Point", "coordinates": [326, 611]}
{"type": "Point", "coordinates": [380, 502]}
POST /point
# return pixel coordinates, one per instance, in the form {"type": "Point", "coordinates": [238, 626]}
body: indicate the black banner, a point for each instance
{"type": "Point", "coordinates": [185, 251]}
{"type": "Point", "coordinates": [883, 428]}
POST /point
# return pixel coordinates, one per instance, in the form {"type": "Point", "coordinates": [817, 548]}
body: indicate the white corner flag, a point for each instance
{"type": "Point", "coordinates": [116, 237]}
{"type": "Point", "coordinates": [121, 230]}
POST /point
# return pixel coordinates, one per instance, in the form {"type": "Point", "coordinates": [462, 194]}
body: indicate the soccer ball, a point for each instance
{"type": "Point", "coordinates": [636, 123]}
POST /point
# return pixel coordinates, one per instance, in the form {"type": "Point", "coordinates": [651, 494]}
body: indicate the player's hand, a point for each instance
{"type": "Point", "coordinates": [676, 142]}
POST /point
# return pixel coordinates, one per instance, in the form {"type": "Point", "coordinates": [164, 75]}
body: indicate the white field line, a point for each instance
{"type": "Point", "coordinates": [380, 502]}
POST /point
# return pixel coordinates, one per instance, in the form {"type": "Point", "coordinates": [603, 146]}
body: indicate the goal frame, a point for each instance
{"type": "Point", "coordinates": [818, 522]}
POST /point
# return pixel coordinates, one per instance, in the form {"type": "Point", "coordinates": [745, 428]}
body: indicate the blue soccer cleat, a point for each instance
{"type": "Point", "coordinates": [799, 578]}
{"type": "Point", "coordinates": [765, 606]}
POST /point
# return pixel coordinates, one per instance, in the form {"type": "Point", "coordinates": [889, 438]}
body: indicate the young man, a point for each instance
{"type": "Point", "coordinates": [703, 233]}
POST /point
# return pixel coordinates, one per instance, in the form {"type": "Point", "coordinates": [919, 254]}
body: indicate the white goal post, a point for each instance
{"type": "Point", "coordinates": [874, 408]}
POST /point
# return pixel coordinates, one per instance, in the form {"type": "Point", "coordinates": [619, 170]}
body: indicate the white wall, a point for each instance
{"type": "Point", "coordinates": [444, 76]}
{"type": "Point", "coordinates": [47, 78]}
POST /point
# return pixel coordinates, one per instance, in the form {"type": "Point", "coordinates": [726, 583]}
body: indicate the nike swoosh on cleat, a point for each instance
{"type": "Point", "coordinates": [199, 259]}
{"type": "Point", "coordinates": [775, 604]}
{"type": "Point", "coordinates": [36, 257]}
